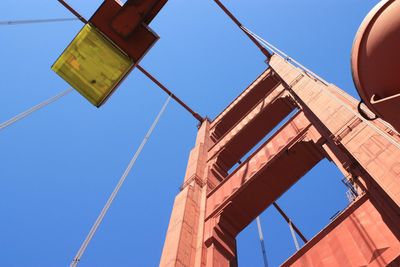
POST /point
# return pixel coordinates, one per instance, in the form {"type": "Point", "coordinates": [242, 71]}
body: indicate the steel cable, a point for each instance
{"type": "Point", "coordinates": [261, 236]}
{"type": "Point", "coordinates": [329, 94]}
{"type": "Point", "coordinates": [103, 212]}
{"type": "Point", "coordinates": [33, 109]}
{"type": "Point", "coordinates": [34, 21]}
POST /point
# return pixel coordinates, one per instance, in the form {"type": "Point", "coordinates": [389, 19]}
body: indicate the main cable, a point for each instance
{"type": "Point", "coordinates": [103, 212]}
{"type": "Point", "coordinates": [33, 109]}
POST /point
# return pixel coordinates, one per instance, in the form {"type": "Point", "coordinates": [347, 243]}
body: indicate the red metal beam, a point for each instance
{"type": "Point", "coordinates": [165, 89]}
{"type": "Point", "coordinates": [133, 13]}
{"type": "Point", "coordinates": [288, 220]}
{"type": "Point", "coordinates": [73, 11]}
{"type": "Point", "coordinates": [264, 176]}
{"type": "Point", "coordinates": [237, 22]}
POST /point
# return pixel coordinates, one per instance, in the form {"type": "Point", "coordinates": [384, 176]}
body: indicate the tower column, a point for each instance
{"type": "Point", "coordinates": [184, 241]}
{"type": "Point", "coordinates": [370, 143]}
{"type": "Point", "coordinates": [224, 189]}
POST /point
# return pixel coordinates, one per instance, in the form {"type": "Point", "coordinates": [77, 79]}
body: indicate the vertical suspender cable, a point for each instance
{"type": "Point", "coordinates": [33, 109]}
{"type": "Point", "coordinates": [289, 221]}
{"type": "Point", "coordinates": [260, 234]}
{"type": "Point", "coordinates": [165, 89]}
{"type": "Point", "coordinates": [296, 243]}
{"type": "Point", "coordinates": [103, 212]}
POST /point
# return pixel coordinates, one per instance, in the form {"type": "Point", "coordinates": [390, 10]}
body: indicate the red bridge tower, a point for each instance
{"type": "Point", "coordinates": [214, 206]}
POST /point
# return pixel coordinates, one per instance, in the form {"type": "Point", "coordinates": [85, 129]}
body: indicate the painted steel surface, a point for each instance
{"type": "Point", "coordinates": [363, 229]}
{"type": "Point", "coordinates": [375, 61]}
{"type": "Point", "coordinates": [214, 206]}
{"type": "Point", "coordinates": [136, 44]}
{"type": "Point", "coordinates": [108, 47]}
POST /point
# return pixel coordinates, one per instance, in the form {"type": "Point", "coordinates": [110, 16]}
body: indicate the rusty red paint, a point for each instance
{"type": "Point", "coordinates": [359, 236]}
{"type": "Point", "coordinates": [376, 61]}
{"type": "Point", "coordinates": [137, 44]}
{"type": "Point", "coordinates": [213, 207]}
{"type": "Point", "coordinates": [133, 13]}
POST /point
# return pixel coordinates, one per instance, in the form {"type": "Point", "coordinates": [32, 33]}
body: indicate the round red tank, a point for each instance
{"type": "Point", "coordinates": [375, 61]}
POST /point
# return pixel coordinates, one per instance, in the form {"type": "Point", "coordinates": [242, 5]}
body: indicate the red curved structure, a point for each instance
{"type": "Point", "coordinates": [375, 61]}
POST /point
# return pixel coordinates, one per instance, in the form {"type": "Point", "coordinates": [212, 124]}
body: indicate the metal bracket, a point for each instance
{"type": "Point", "coordinates": [363, 113]}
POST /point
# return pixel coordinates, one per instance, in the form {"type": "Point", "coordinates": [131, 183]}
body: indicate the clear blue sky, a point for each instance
{"type": "Point", "coordinates": [58, 167]}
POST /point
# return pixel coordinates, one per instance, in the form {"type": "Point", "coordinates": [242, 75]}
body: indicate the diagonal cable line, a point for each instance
{"type": "Point", "coordinates": [296, 243]}
{"type": "Point", "coordinates": [383, 133]}
{"type": "Point", "coordinates": [34, 21]}
{"type": "Point", "coordinates": [261, 236]}
{"type": "Point", "coordinates": [110, 200]}
{"type": "Point", "coordinates": [33, 109]}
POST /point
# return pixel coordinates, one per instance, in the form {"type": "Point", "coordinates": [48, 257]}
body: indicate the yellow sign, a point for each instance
{"type": "Point", "coordinates": [93, 65]}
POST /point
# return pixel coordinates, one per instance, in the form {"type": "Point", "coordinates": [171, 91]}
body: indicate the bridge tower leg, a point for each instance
{"type": "Point", "coordinates": [222, 192]}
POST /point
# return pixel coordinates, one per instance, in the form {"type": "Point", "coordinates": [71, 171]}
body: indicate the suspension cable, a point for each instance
{"type": "Point", "coordinates": [261, 236]}
{"type": "Point", "coordinates": [293, 230]}
{"type": "Point", "coordinates": [34, 21]}
{"type": "Point", "coordinates": [110, 200]}
{"type": "Point", "coordinates": [276, 50]}
{"type": "Point", "coordinates": [289, 221]}
{"type": "Point", "coordinates": [33, 109]}
{"type": "Point", "coordinates": [330, 94]}
{"type": "Point", "coordinates": [240, 25]}
{"type": "Point", "coordinates": [296, 243]}
{"type": "Point", "coordinates": [165, 89]}
{"type": "Point", "coordinates": [152, 78]}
